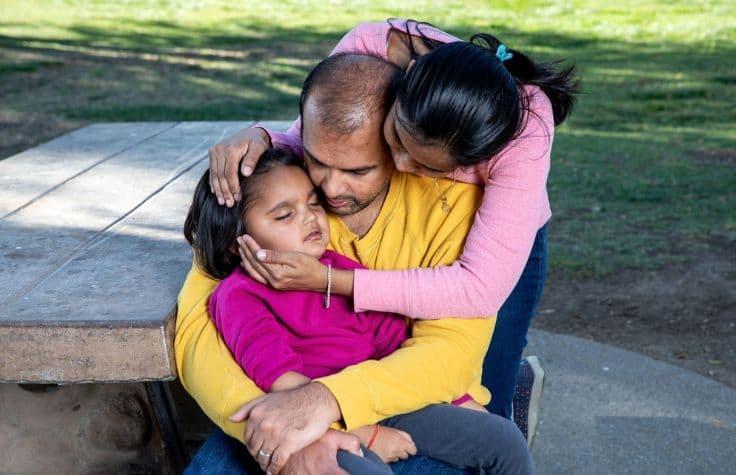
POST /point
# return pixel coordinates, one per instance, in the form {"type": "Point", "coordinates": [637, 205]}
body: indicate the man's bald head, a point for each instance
{"type": "Point", "coordinates": [345, 91]}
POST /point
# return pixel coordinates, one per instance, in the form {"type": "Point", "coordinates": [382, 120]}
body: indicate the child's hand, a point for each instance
{"type": "Point", "coordinates": [390, 444]}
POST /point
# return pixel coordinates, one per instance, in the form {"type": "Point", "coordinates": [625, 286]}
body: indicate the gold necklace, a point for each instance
{"type": "Point", "coordinates": [443, 196]}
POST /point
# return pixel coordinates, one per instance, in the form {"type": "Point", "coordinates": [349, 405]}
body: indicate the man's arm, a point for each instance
{"type": "Point", "coordinates": [439, 363]}
{"type": "Point", "coordinates": [206, 368]}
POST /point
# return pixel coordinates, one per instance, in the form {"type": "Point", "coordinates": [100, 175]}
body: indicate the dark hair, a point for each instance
{"type": "Point", "coordinates": [349, 87]}
{"type": "Point", "coordinates": [462, 96]}
{"type": "Point", "coordinates": [212, 229]}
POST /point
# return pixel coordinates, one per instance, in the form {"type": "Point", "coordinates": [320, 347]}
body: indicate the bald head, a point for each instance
{"type": "Point", "coordinates": [346, 91]}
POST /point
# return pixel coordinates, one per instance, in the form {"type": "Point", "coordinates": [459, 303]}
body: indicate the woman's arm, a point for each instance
{"type": "Point", "coordinates": [205, 366]}
{"type": "Point", "coordinates": [514, 207]}
{"type": "Point", "coordinates": [498, 244]}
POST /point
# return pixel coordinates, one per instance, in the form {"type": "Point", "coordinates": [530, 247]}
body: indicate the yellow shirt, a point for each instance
{"type": "Point", "coordinates": [439, 363]}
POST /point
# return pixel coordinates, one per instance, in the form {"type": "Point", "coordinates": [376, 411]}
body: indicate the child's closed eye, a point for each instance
{"type": "Point", "coordinates": [283, 216]}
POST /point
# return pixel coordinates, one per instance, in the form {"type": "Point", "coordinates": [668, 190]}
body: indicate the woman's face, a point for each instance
{"type": "Point", "coordinates": [286, 215]}
{"type": "Point", "coordinates": [411, 155]}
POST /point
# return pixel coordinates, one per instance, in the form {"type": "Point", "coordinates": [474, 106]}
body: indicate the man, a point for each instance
{"type": "Point", "coordinates": [347, 158]}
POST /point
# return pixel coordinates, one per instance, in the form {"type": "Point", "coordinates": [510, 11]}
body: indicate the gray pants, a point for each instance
{"type": "Point", "coordinates": [456, 436]}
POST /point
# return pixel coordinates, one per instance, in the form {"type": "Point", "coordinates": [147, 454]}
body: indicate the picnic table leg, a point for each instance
{"type": "Point", "coordinates": [159, 395]}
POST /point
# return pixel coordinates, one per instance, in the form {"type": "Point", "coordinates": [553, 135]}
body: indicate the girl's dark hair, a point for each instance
{"type": "Point", "coordinates": [212, 229]}
{"type": "Point", "coordinates": [462, 96]}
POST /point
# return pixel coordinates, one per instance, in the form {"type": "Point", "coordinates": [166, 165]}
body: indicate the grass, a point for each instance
{"type": "Point", "coordinates": [643, 174]}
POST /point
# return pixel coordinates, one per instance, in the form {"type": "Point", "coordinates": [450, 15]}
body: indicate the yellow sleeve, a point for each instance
{"type": "Point", "coordinates": [441, 360]}
{"type": "Point", "coordinates": [206, 368]}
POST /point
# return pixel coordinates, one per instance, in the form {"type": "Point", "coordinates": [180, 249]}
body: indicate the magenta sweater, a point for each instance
{"type": "Point", "coordinates": [515, 206]}
{"type": "Point", "coordinates": [270, 332]}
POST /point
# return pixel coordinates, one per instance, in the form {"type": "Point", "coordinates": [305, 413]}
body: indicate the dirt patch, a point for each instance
{"type": "Point", "coordinates": [684, 314]}
{"type": "Point", "coordinates": [21, 133]}
{"type": "Point", "coordinates": [721, 156]}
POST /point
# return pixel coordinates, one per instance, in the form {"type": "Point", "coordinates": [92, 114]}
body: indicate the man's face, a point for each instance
{"type": "Point", "coordinates": [350, 170]}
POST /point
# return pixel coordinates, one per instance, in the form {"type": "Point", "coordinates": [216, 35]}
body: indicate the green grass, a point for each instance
{"type": "Point", "coordinates": [643, 174]}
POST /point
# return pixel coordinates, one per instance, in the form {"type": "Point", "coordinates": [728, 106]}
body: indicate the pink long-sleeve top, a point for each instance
{"type": "Point", "coordinates": [270, 332]}
{"type": "Point", "coordinates": [515, 206]}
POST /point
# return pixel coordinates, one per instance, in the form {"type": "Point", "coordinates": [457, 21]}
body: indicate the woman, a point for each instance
{"type": "Point", "coordinates": [474, 111]}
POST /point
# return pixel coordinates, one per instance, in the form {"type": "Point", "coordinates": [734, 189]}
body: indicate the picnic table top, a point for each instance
{"type": "Point", "coordinates": [92, 254]}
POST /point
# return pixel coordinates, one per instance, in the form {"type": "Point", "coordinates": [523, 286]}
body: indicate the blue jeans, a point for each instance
{"type": "Point", "coordinates": [501, 365]}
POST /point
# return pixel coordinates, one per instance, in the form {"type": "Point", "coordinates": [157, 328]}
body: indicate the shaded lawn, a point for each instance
{"type": "Point", "coordinates": [643, 174]}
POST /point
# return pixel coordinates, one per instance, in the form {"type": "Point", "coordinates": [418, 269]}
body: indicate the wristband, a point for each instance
{"type": "Point", "coordinates": [373, 437]}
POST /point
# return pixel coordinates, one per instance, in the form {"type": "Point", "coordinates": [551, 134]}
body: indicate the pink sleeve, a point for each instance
{"type": "Point", "coordinates": [497, 247]}
{"type": "Point", "coordinates": [254, 337]}
{"type": "Point", "coordinates": [366, 38]}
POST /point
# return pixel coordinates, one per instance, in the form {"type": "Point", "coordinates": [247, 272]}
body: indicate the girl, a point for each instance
{"type": "Point", "coordinates": [476, 111]}
{"type": "Point", "coordinates": [284, 339]}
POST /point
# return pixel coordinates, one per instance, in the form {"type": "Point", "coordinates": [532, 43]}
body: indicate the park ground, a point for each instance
{"type": "Point", "coordinates": [643, 182]}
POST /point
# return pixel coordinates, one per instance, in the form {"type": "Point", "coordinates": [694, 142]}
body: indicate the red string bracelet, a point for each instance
{"type": "Point", "coordinates": [373, 436]}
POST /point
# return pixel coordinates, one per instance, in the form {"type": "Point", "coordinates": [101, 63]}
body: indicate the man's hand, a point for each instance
{"type": "Point", "coordinates": [320, 457]}
{"type": "Point", "coordinates": [282, 423]}
{"type": "Point", "coordinates": [225, 157]}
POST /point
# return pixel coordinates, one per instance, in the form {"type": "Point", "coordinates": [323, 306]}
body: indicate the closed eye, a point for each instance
{"type": "Point", "coordinates": [283, 217]}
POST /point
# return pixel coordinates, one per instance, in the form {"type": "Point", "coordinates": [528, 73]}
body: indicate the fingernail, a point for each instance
{"type": "Point", "coordinates": [237, 197]}
{"type": "Point", "coordinates": [261, 255]}
{"type": "Point", "coordinates": [229, 203]}
{"type": "Point", "coordinates": [220, 201]}
{"type": "Point", "coordinates": [247, 171]}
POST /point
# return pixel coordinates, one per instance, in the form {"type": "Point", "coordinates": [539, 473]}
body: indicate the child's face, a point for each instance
{"type": "Point", "coordinates": [286, 215]}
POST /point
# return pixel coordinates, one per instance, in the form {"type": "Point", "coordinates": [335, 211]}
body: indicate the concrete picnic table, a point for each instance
{"type": "Point", "coordinates": [92, 258]}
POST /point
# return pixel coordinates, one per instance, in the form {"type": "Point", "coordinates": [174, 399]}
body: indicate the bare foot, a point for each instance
{"type": "Point", "coordinates": [390, 444]}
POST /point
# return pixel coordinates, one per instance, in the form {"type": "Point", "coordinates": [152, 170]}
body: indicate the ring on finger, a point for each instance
{"type": "Point", "coordinates": [262, 454]}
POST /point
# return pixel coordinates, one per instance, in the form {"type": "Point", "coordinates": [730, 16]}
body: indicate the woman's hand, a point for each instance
{"type": "Point", "coordinates": [282, 270]}
{"type": "Point", "coordinates": [246, 146]}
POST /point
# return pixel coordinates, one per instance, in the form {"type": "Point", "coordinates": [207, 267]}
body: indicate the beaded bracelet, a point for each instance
{"type": "Point", "coordinates": [329, 286]}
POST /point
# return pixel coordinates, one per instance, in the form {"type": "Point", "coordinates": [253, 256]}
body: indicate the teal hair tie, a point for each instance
{"type": "Point", "coordinates": [502, 54]}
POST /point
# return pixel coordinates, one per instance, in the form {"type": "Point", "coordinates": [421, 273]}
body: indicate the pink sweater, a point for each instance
{"type": "Point", "coordinates": [515, 206]}
{"type": "Point", "coordinates": [270, 332]}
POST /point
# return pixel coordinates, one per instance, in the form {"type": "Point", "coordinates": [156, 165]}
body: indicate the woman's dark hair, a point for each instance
{"type": "Point", "coordinates": [212, 229]}
{"type": "Point", "coordinates": [461, 96]}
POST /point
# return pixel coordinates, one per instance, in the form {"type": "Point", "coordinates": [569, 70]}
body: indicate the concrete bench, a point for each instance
{"type": "Point", "coordinates": [92, 258]}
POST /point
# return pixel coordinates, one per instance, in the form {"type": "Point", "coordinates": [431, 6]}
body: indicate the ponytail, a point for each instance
{"type": "Point", "coordinates": [469, 97]}
{"type": "Point", "coordinates": [560, 86]}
